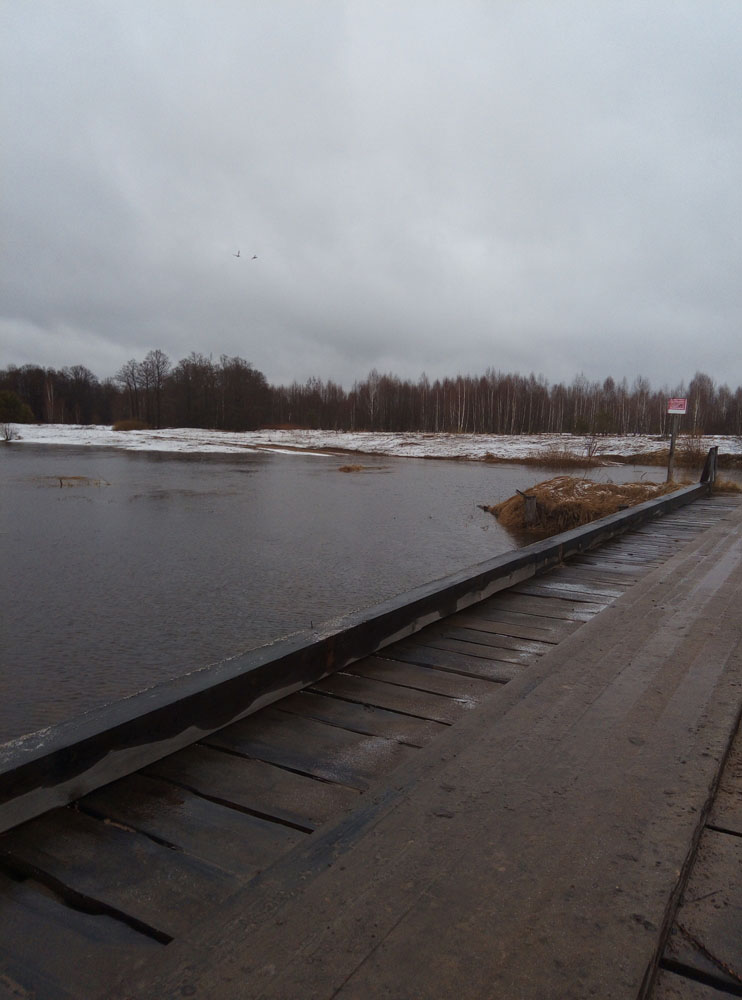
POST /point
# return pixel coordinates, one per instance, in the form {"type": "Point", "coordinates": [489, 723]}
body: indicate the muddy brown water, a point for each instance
{"type": "Point", "coordinates": [124, 569]}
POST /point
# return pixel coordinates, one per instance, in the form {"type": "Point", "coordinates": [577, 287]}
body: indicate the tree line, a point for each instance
{"type": "Point", "coordinates": [231, 394]}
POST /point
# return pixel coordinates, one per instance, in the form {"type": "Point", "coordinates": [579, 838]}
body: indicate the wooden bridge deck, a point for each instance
{"type": "Point", "coordinates": [273, 857]}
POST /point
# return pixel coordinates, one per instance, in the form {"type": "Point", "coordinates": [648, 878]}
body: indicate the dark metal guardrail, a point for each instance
{"type": "Point", "coordinates": [58, 765]}
{"type": "Point", "coordinates": [708, 475]}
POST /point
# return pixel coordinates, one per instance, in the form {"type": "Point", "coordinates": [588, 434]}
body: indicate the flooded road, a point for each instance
{"type": "Point", "coordinates": [123, 569]}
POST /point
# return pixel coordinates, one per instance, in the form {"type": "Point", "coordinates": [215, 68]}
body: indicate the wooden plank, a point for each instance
{"type": "Point", "coordinates": [626, 543]}
{"type": "Point", "coordinates": [410, 675]}
{"type": "Point", "coordinates": [420, 704]}
{"type": "Point", "coordinates": [709, 919]}
{"type": "Point", "coordinates": [726, 812]}
{"type": "Point", "coordinates": [613, 559]}
{"type": "Point", "coordinates": [648, 541]}
{"type": "Point", "coordinates": [164, 889]}
{"type": "Point", "coordinates": [696, 521]}
{"type": "Point", "coordinates": [545, 588]}
{"type": "Point", "coordinates": [312, 747]}
{"type": "Point", "coordinates": [718, 502]}
{"type": "Point", "coordinates": [656, 549]}
{"type": "Point", "coordinates": [458, 663]}
{"type": "Point", "coordinates": [496, 626]}
{"type": "Point", "coordinates": [534, 626]}
{"type": "Point", "coordinates": [547, 607]}
{"type": "Point", "coordinates": [666, 535]}
{"type": "Point", "coordinates": [679, 521]}
{"type": "Point", "coordinates": [635, 557]}
{"type": "Point", "coordinates": [599, 576]}
{"type": "Point", "coordinates": [615, 566]}
{"type": "Point", "coordinates": [477, 650]}
{"type": "Point", "coordinates": [621, 576]}
{"type": "Point", "coordinates": [576, 571]}
{"type": "Point", "coordinates": [46, 946]}
{"type": "Point", "coordinates": [687, 529]}
{"type": "Point", "coordinates": [630, 563]}
{"type": "Point", "coordinates": [580, 584]}
{"type": "Point", "coordinates": [227, 838]}
{"type": "Point", "coordinates": [364, 719]}
{"type": "Point", "coordinates": [484, 637]}
{"type": "Point", "coordinates": [254, 785]}
{"type": "Point", "coordinates": [664, 546]}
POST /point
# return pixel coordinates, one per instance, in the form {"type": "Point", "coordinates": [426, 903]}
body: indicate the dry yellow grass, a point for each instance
{"type": "Point", "coordinates": [566, 502]}
{"type": "Point", "coordinates": [726, 486]}
{"type": "Point", "coordinates": [547, 458]}
{"type": "Point", "coordinates": [685, 458]}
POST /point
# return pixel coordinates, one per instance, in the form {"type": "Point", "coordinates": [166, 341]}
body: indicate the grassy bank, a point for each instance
{"type": "Point", "coordinates": [567, 502]}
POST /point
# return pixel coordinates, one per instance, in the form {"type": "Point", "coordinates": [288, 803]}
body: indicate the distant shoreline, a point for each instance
{"type": "Point", "coordinates": [532, 448]}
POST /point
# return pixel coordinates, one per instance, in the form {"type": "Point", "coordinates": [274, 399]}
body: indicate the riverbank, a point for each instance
{"type": "Point", "coordinates": [542, 449]}
{"type": "Point", "coordinates": [567, 502]}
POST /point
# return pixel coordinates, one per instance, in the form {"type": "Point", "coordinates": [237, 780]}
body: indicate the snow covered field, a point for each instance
{"type": "Point", "coordinates": [415, 445]}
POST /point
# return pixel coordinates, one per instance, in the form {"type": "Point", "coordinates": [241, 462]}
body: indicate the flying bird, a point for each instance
{"type": "Point", "coordinates": [236, 254]}
{"type": "Point", "coordinates": [254, 256]}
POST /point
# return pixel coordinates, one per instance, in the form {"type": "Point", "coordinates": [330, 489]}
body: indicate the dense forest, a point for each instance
{"type": "Point", "coordinates": [233, 395]}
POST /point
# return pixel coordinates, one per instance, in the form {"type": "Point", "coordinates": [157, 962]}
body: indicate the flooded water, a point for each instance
{"type": "Point", "coordinates": [123, 569]}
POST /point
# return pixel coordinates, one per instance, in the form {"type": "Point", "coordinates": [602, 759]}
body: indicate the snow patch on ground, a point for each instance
{"type": "Point", "coordinates": [307, 442]}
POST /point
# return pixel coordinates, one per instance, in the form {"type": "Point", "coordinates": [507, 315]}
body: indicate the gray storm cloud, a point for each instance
{"type": "Point", "coordinates": [427, 186]}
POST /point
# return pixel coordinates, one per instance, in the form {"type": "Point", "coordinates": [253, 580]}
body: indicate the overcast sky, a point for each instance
{"type": "Point", "coordinates": [428, 186]}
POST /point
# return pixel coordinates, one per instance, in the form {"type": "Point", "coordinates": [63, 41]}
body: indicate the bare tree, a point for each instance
{"type": "Point", "coordinates": [153, 372]}
{"type": "Point", "coordinates": [129, 378]}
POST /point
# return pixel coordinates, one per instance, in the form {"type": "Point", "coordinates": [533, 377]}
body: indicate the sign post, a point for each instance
{"type": "Point", "coordinates": [676, 407]}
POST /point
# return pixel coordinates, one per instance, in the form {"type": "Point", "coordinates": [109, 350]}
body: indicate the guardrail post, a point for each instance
{"type": "Point", "coordinates": [671, 454]}
{"type": "Point", "coordinates": [708, 475]}
{"type": "Point", "coordinates": [531, 508]}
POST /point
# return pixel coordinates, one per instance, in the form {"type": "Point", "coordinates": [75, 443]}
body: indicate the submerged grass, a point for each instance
{"type": "Point", "coordinates": [363, 468]}
{"type": "Point", "coordinates": [566, 502]}
{"type": "Point", "coordinates": [64, 481]}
